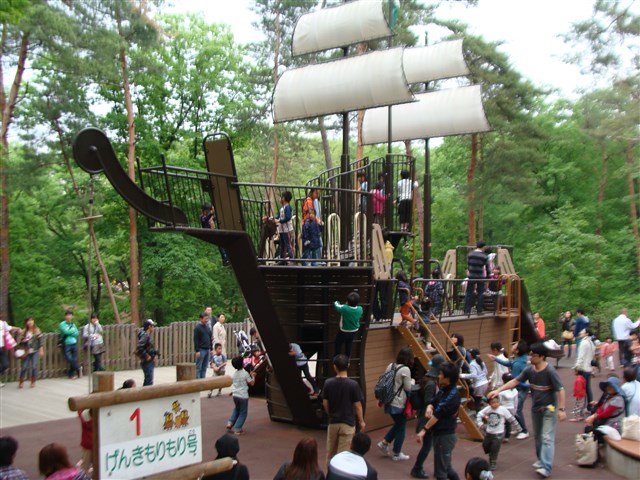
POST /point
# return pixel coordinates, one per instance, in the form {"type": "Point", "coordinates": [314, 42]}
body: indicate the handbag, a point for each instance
{"type": "Point", "coordinates": [98, 349]}
{"type": "Point", "coordinates": [586, 449]}
{"type": "Point", "coordinates": [409, 412]}
{"type": "Point", "coordinates": [631, 428]}
{"type": "Point", "coordinates": [20, 353]}
{"type": "Point", "coordinates": [9, 341]}
{"type": "Point", "coordinates": [567, 335]}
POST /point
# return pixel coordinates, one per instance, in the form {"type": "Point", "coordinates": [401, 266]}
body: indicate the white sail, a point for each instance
{"type": "Point", "coordinates": [344, 85]}
{"type": "Point", "coordinates": [339, 26]}
{"type": "Point", "coordinates": [441, 113]}
{"type": "Point", "coordinates": [434, 62]}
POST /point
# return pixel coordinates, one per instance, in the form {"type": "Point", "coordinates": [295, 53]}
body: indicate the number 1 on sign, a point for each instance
{"type": "Point", "coordinates": [136, 415]}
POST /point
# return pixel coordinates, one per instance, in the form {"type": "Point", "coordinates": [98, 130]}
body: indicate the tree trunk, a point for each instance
{"type": "Point", "coordinates": [633, 210]}
{"type": "Point", "coordinates": [276, 139]}
{"type": "Point", "coordinates": [481, 192]}
{"type": "Point", "coordinates": [7, 107]}
{"type": "Point", "coordinates": [131, 160]}
{"type": "Point", "coordinates": [471, 213]}
{"type": "Point", "coordinates": [325, 144]}
{"type": "Point", "coordinates": [602, 186]}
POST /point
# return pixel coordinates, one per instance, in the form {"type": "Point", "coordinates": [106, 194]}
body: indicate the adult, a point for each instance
{"type": "Point", "coordinates": [428, 389]}
{"type": "Point", "coordinates": [304, 465]}
{"type": "Point", "coordinates": [54, 464]}
{"type": "Point", "coordinates": [220, 333]}
{"type": "Point", "coordinates": [631, 391]}
{"type": "Point", "coordinates": [582, 322]}
{"type": "Point", "coordinates": [548, 407]}
{"type": "Point", "coordinates": [302, 362]}
{"type": "Point", "coordinates": [146, 351]}
{"type": "Point", "coordinates": [351, 464]}
{"type": "Point", "coordinates": [442, 415]}
{"type": "Point", "coordinates": [342, 402]}
{"type": "Point", "coordinates": [228, 446]}
{"type": "Point", "coordinates": [586, 354]}
{"type": "Point", "coordinates": [458, 353]}
{"type": "Point", "coordinates": [94, 341]}
{"type": "Point", "coordinates": [610, 412]}
{"type": "Point", "coordinates": [395, 409]}
{"type": "Point", "coordinates": [539, 324]}
{"type": "Point", "coordinates": [5, 329]}
{"type": "Point", "coordinates": [622, 327]}
{"type": "Point", "coordinates": [203, 345]}
{"type": "Point", "coordinates": [30, 341]}
{"type": "Point", "coordinates": [69, 333]}
{"type": "Point", "coordinates": [478, 268]}
{"type": "Point", "coordinates": [213, 319]}
{"type": "Point", "coordinates": [8, 449]}
{"type": "Point", "coordinates": [567, 333]}
{"type": "Point", "coordinates": [517, 366]}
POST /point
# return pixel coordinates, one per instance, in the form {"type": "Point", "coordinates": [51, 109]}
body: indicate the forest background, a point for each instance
{"type": "Point", "coordinates": [556, 178]}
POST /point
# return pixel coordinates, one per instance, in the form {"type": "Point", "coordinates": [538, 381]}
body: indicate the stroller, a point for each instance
{"type": "Point", "coordinates": [242, 342]}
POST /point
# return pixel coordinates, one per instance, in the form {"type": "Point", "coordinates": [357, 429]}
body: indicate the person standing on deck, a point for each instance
{"type": "Point", "coordinates": [478, 267]}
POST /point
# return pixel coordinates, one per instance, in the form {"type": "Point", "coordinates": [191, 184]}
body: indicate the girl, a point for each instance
{"type": "Point", "coordinates": [395, 409]}
{"type": "Point", "coordinates": [478, 375]}
{"type": "Point", "coordinates": [285, 226]}
{"type": "Point", "coordinates": [435, 290]}
{"type": "Point", "coordinates": [30, 340]}
{"type": "Point", "coordinates": [404, 297]}
{"type": "Point", "coordinates": [304, 465]}
{"type": "Point", "coordinates": [240, 391]}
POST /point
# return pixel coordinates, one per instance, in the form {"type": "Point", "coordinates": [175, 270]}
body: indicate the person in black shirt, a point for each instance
{"type": "Point", "coordinates": [228, 446]}
{"type": "Point", "coordinates": [208, 220]}
{"type": "Point", "coordinates": [203, 344]}
{"type": "Point", "coordinates": [146, 351]}
{"type": "Point", "coordinates": [478, 267]}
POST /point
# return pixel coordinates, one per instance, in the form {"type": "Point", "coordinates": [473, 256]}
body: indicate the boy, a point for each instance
{"type": "Point", "coordinates": [509, 400]}
{"type": "Point", "coordinates": [405, 198]}
{"type": "Point", "coordinates": [285, 226]}
{"type": "Point", "coordinates": [494, 417]}
{"type": "Point", "coordinates": [311, 238]}
{"type": "Point", "coordinates": [241, 383]}
{"type": "Point", "coordinates": [607, 352]}
{"type": "Point", "coordinates": [349, 323]}
{"type": "Point", "coordinates": [218, 364]}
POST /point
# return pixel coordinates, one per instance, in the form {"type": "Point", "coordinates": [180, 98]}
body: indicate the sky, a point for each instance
{"type": "Point", "coordinates": [528, 29]}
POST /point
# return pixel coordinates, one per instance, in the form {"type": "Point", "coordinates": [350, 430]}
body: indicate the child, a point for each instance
{"type": "Point", "coordinates": [607, 352]}
{"type": "Point", "coordinates": [218, 365]}
{"type": "Point", "coordinates": [302, 362]}
{"type": "Point", "coordinates": [494, 416]}
{"type": "Point", "coordinates": [435, 290]}
{"type": "Point", "coordinates": [498, 368]}
{"type": "Point", "coordinates": [404, 297]}
{"type": "Point", "coordinates": [349, 323]}
{"type": "Point", "coordinates": [285, 226]}
{"type": "Point", "coordinates": [496, 280]}
{"type": "Point", "coordinates": [579, 394]}
{"type": "Point", "coordinates": [478, 376]}
{"type": "Point", "coordinates": [509, 400]}
{"type": "Point", "coordinates": [86, 441]}
{"type": "Point", "coordinates": [424, 310]}
{"type": "Point", "coordinates": [477, 469]}
{"type": "Point", "coordinates": [311, 239]}
{"type": "Point", "coordinates": [595, 363]}
{"type": "Point", "coordinates": [405, 197]}
{"type": "Point", "coordinates": [241, 383]}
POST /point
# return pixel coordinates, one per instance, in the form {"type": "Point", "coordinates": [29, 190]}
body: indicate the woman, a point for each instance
{"type": "Point", "coordinates": [479, 377]}
{"type": "Point", "coordinates": [228, 446]}
{"type": "Point", "coordinates": [402, 385]}
{"type": "Point", "coordinates": [611, 410]}
{"type": "Point", "coordinates": [93, 341]}
{"type": "Point", "coordinates": [567, 333]}
{"type": "Point", "coordinates": [304, 465]}
{"type": "Point", "coordinates": [30, 340]}
{"type": "Point", "coordinates": [53, 463]}
{"type": "Point", "coordinates": [458, 352]}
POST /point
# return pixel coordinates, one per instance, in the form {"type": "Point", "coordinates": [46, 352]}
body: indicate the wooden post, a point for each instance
{"type": "Point", "coordinates": [102, 382]}
{"type": "Point", "coordinates": [185, 371]}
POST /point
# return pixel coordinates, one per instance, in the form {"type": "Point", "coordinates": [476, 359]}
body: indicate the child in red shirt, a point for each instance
{"type": "Point", "coordinates": [579, 394]}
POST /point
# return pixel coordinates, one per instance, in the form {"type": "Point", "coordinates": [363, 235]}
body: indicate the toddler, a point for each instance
{"type": "Point", "coordinates": [509, 400]}
{"type": "Point", "coordinates": [493, 417]}
{"type": "Point", "coordinates": [607, 352]}
{"type": "Point", "coordinates": [579, 394]}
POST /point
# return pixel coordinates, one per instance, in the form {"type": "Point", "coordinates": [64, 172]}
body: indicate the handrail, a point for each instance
{"type": "Point", "coordinates": [333, 237]}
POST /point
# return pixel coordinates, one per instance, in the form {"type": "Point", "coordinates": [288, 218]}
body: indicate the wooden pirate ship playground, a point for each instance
{"type": "Point", "coordinates": [293, 301]}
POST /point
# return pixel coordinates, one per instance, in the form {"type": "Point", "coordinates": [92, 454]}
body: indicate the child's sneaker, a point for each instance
{"type": "Point", "coordinates": [400, 456]}
{"type": "Point", "coordinates": [384, 447]}
{"type": "Point", "coordinates": [492, 466]}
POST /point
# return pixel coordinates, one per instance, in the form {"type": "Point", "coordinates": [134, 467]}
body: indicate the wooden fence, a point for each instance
{"type": "Point", "coordinates": [174, 342]}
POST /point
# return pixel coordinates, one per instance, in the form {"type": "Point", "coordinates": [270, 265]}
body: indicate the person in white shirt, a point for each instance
{"type": "Point", "coordinates": [622, 327]}
{"type": "Point", "coordinates": [509, 400]}
{"type": "Point", "coordinates": [631, 391]}
{"type": "Point", "coordinates": [478, 375]}
{"type": "Point", "coordinates": [585, 357]}
{"type": "Point", "coordinates": [494, 417]}
{"type": "Point", "coordinates": [498, 368]}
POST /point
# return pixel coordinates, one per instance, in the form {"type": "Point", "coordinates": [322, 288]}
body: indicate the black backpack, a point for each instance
{"type": "Point", "coordinates": [384, 390]}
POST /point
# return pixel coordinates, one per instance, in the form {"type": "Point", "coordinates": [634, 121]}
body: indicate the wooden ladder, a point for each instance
{"type": "Point", "coordinates": [424, 357]}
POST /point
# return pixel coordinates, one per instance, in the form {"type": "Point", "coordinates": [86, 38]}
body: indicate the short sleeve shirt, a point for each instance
{"type": "Point", "coordinates": [543, 385]}
{"type": "Point", "coordinates": [341, 393]}
{"type": "Point", "coordinates": [240, 384]}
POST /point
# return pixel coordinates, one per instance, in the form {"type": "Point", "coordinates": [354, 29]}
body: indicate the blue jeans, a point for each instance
{"type": "Point", "coordinates": [285, 245]}
{"type": "Point", "coordinates": [71, 355]}
{"type": "Point", "coordinates": [587, 377]}
{"type": "Point", "coordinates": [30, 362]}
{"type": "Point", "coordinates": [479, 284]}
{"type": "Point", "coordinates": [442, 457]}
{"type": "Point", "coordinates": [202, 363]}
{"type": "Point", "coordinates": [312, 254]}
{"type": "Point", "coordinates": [544, 431]}
{"type": "Point", "coordinates": [397, 432]}
{"type": "Point", "coordinates": [147, 369]}
{"type": "Point", "coordinates": [239, 413]}
{"type": "Point", "coordinates": [522, 396]}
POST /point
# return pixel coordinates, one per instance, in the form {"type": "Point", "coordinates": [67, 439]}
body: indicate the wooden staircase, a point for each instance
{"type": "Point", "coordinates": [424, 356]}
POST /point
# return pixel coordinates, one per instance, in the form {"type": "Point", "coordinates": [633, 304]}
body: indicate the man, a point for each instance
{"type": "Point", "coordinates": [442, 415]}
{"type": "Point", "coordinates": [539, 323]}
{"type": "Point", "coordinates": [212, 318]}
{"type": "Point", "coordinates": [548, 405]}
{"type": "Point", "coordinates": [582, 322]}
{"type": "Point", "coordinates": [220, 333]}
{"type": "Point", "coordinates": [586, 354]}
{"type": "Point", "coordinates": [203, 344]}
{"type": "Point", "coordinates": [622, 327]}
{"type": "Point", "coordinates": [146, 351]}
{"type": "Point", "coordinates": [8, 449]}
{"type": "Point", "coordinates": [342, 401]}
{"type": "Point", "coordinates": [351, 464]}
{"type": "Point", "coordinates": [478, 267]}
{"type": "Point", "coordinates": [69, 333]}
{"type": "Point", "coordinates": [302, 362]}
